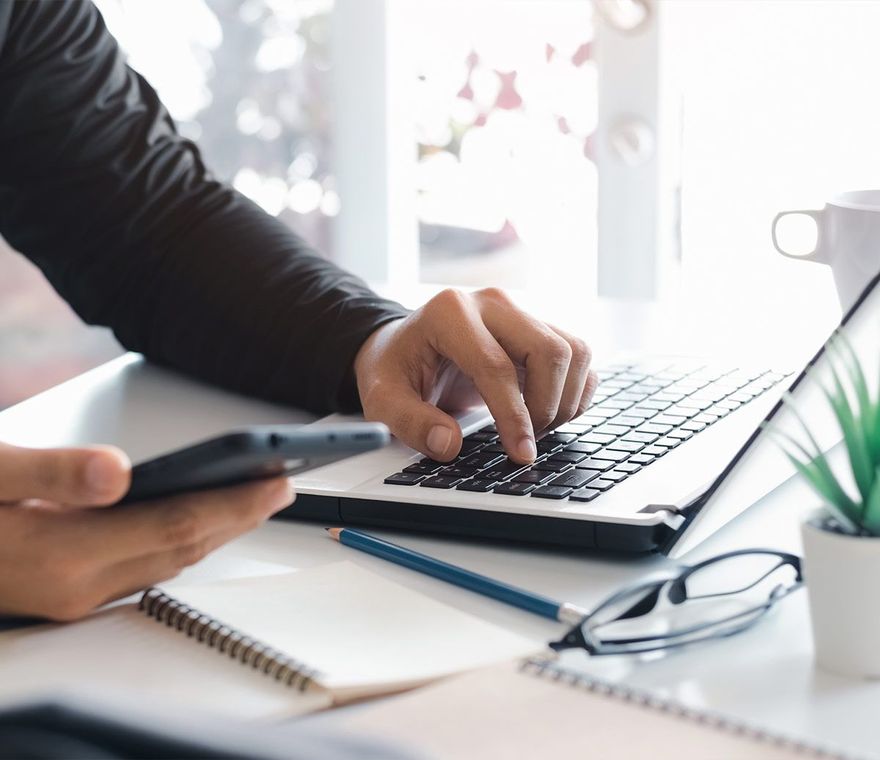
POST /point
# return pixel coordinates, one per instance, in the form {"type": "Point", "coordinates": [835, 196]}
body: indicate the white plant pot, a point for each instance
{"type": "Point", "coordinates": [842, 574]}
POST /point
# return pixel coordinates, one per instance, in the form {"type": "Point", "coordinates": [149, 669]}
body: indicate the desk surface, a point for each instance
{"type": "Point", "coordinates": [765, 675]}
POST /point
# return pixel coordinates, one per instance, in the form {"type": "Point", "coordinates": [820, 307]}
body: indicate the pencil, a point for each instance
{"type": "Point", "coordinates": [540, 605]}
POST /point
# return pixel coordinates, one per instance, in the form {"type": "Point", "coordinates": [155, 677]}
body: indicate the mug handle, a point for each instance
{"type": "Point", "coordinates": [812, 255]}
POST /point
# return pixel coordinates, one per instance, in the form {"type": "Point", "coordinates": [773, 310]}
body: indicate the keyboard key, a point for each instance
{"type": "Point", "coordinates": [641, 459]}
{"type": "Point", "coordinates": [574, 478]}
{"type": "Point", "coordinates": [615, 430]}
{"type": "Point", "coordinates": [551, 492]}
{"type": "Point", "coordinates": [571, 457]}
{"type": "Point", "coordinates": [482, 436]}
{"type": "Point", "coordinates": [718, 411]}
{"type": "Point", "coordinates": [534, 476]}
{"type": "Point", "coordinates": [654, 451]}
{"type": "Point", "coordinates": [571, 427]}
{"type": "Point", "coordinates": [456, 471]}
{"type": "Point", "coordinates": [627, 421]}
{"type": "Point", "coordinates": [694, 403]}
{"type": "Point", "coordinates": [482, 459]}
{"type": "Point", "coordinates": [693, 426]}
{"type": "Point", "coordinates": [666, 396]}
{"type": "Point", "coordinates": [653, 427]}
{"type": "Point", "coordinates": [546, 447]}
{"type": "Point", "coordinates": [600, 438]}
{"type": "Point", "coordinates": [404, 479]}
{"type": "Point", "coordinates": [653, 403]}
{"type": "Point", "coordinates": [628, 467]}
{"type": "Point", "coordinates": [729, 404]}
{"type": "Point", "coordinates": [610, 456]}
{"type": "Point", "coordinates": [595, 464]}
{"type": "Point", "coordinates": [422, 469]}
{"type": "Point", "coordinates": [740, 396]}
{"type": "Point", "coordinates": [596, 413]}
{"type": "Point", "coordinates": [639, 411]}
{"type": "Point", "coordinates": [669, 419]}
{"type": "Point", "coordinates": [614, 475]}
{"type": "Point", "coordinates": [706, 418]}
{"type": "Point", "coordinates": [494, 448]}
{"type": "Point", "coordinates": [477, 484]}
{"type": "Point", "coordinates": [441, 481]}
{"type": "Point", "coordinates": [469, 447]}
{"type": "Point", "coordinates": [584, 494]}
{"type": "Point", "coordinates": [489, 429]}
{"type": "Point", "coordinates": [613, 403]}
{"type": "Point", "coordinates": [668, 443]}
{"type": "Point", "coordinates": [549, 466]}
{"type": "Point", "coordinates": [515, 489]}
{"type": "Point", "coordinates": [503, 471]}
{"type": "Point", "coordinates": [677, 410]}
{"type": "Point", "coordinates": [429, 461]}
{"type": "Point", "coordinates": [558, 437]}
{"type": "Point", "coordinates": [601, 484]}
{"type": "Point", "coordinates": [641, 437]}
{"type": "Point", "coordinates": [583, 448]}
{"type": "Point", "coordinates": [682, 435]}
{"type": "Point", "coordinates": [635, 398]}
{"type": "Point", "coordinates": [630, 446]}
{"type": "Point", "coordinates": [591, 420]}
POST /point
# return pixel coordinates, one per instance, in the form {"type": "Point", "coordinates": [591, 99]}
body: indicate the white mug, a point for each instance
{"type": "Point", "coordinates": [847, 240]}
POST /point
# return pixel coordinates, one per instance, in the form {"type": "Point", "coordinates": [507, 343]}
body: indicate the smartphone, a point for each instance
{"type": "Point", "coordinates": [254, 453]}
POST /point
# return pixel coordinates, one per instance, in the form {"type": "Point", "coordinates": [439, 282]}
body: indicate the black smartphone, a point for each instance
{"type": "Point", "coordinates": [253, 453]}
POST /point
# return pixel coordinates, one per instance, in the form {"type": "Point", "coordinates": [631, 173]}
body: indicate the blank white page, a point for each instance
{"type": "Point", "coordinates": [365, 634]}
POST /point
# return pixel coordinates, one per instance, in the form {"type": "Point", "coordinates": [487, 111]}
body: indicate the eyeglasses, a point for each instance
{"type": "Point", "coordinates": [718, 597]}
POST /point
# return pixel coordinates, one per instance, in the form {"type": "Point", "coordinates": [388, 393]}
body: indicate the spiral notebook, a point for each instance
{"type": "Point", "coordinates": [539, 709]}
{"type": "Point", "coordinates": [259, 647]}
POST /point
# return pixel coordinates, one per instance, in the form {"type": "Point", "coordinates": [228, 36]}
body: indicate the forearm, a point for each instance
{"type": "Point", "coordinates": [121, 215]}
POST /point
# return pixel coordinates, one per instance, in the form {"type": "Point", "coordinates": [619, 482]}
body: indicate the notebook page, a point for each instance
{"type": "Point", "coordinates": [364, 633]}
{"type": "Point", "coordinates": [501, 712]}
{"type": "Point", "coordinates": [122, 651]}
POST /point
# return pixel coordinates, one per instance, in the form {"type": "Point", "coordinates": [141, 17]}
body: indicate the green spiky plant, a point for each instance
{"type": "Point", "coordinates": [858, 415]}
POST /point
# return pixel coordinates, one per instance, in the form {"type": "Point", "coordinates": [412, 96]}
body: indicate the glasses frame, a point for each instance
{"type": "Point", "coordinates": [674, 582]}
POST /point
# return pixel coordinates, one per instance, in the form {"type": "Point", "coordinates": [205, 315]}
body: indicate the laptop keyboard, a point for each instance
{"type": "Point", "coordinates": [639, 413]}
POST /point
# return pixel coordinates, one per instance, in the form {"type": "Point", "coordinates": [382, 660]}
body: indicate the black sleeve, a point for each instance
{"type": "Point", "coordinates": [123, 218]}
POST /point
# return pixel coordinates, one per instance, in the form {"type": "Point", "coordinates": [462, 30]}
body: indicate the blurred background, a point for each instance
{"type": "Point", "coordinates": [570, 148]}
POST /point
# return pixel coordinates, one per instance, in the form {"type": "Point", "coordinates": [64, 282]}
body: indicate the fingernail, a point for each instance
{"type": "Point", "coordinates": [527, 450]}
{"type": "Point", "coordinates": [438, 439]}
{"type": "Point", "coordinates": [102, 472]}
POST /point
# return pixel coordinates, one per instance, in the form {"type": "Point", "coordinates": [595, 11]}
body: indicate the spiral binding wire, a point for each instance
{"type": "Point", "coordinates": [235, 644]}
{"type": "Point", "coordinates": [546, 668]}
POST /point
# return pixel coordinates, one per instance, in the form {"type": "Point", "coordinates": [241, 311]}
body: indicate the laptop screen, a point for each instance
{"type": "Point", "coordinates": [756, 468]}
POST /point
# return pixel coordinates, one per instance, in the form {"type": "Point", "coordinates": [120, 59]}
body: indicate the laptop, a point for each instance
{"type": "Point", "coordinates": [670, 450]}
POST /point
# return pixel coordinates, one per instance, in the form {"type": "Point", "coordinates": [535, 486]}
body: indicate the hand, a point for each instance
{"type": "Point", "coordinates": [62, 555]}
{"type": "Point", "coordinates": [458, 348]}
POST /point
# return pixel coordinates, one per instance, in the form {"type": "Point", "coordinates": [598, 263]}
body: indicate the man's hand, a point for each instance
{"type": "Point", "coordinates": [62, 554]}
{"type": "Point", "coordinates": [458, 348]}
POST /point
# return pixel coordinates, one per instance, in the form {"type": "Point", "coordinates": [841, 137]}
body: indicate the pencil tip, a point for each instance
{"type": "Point", "coordinates": [334, 532]}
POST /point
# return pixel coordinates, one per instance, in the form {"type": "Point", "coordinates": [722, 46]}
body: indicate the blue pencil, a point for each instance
{"type": "Point", "coordinates": [458, 576]}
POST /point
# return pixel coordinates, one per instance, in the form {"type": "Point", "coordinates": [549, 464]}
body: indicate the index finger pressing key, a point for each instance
{"type": "Point", "coordinates": [466, 340]}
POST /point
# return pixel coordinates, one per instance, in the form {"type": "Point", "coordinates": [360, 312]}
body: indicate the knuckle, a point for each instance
{"type": "Point", "coordinates": [181, 527]}
{"type": "Point", "coordinates": [494, 294]}
{"type": "Point", "coordinates": [581, 351]}
{"type": "Point", "coordinates": [193, 553]}
{"type": "Point", "coordinates": [448, 300]}
{"type": "Point", "coordinates": [559, 354]}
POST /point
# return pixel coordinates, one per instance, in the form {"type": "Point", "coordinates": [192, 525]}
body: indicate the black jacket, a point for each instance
{"type": "Point", "coordinates": [126, 222]}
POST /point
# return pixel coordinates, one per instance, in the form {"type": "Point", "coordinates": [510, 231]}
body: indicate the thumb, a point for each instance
{"type": "Point", "coordinates": [413, 421]}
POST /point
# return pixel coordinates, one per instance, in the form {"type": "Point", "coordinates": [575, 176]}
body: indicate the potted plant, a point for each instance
{"type": "Point", "coordinates": [842, 540]}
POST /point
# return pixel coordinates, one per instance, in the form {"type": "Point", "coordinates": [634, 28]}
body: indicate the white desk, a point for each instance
{"type": "Point", "coordinates": [765, 675]}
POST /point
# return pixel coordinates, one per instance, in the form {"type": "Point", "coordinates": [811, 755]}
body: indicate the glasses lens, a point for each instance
{"type": "Point", "coordinates": [754, 575]}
